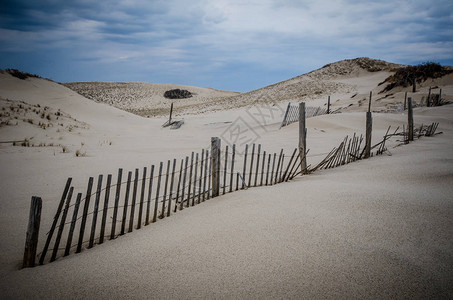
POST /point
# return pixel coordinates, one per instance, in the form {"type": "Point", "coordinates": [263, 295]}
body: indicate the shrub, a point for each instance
{"type": "Point", "coordinates": [177, 94]}
{"type": "Point", "coordinates": [20, 74]}
{"type": "Point", "coordinates": [406, 76]}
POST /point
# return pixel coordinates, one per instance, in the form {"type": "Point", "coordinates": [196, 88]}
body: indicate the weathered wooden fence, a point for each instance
{"type": "Point", "coordinates": [115, 207]}
{"type": "Point", "coordinates": [292, 113]}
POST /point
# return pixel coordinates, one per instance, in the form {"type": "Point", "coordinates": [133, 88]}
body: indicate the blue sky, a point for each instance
{"type": "Point", "coordinates": [231, 45]}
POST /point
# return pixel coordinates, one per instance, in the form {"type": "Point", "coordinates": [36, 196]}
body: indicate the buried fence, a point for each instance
{"type": "Point", "coordinates": [145, 197]}
{"type": "Point", "coordinates": [116, 206]}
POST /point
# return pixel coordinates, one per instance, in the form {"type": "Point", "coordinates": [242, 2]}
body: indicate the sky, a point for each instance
{"type": "Point", "coordinates": [230, 45]}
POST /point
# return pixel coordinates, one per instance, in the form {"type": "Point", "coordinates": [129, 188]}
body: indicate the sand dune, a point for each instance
{"type": "Point", "coordinates": [377, 228]}
{"type": "Point", "coordinates": [348, 82]}
{"type": "Point", "coordinates": [146, 99]}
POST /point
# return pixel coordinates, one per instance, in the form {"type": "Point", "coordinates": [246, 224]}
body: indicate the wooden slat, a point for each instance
{"type": "Point", "coordinates": [232, 167]}
{"type": "Point", "coordinates": [126, 203]}
{"type": "Point", "coordinates": [249, 183]}
{"type": "Point", "coordinates": [55, 220]}
{"type": "Point", "coordinates": [142, 199]}
{"type": "Point", "coordinates": [201, 176]}
{"type": "Point", "coordinates": [245, 164]}
{"type": "Point", "coordinates": [289, 165]}
{"type": "Point", "coordinates": [257, 165]}
{"type": "Point", "coordinates": [262, 168]}
{"type": "Point", "coordinates": [61, 227]}
{"type": "Point", "coordinates": [278, 166]}
{"type": "Point", "coordinates": [295, 164]}
{"type": "Point", "coordinates": [73, 223]}
{"type": "Point", "coordinates": [162, 215]}
{"type": "Point", "coordinates": [95, 212]}
{"type": "Point", "coordinates": [195, 180]}
{"type": "Point", "coordinates": [225, 170]}
{"type": "Point", "coordinates": [150, 192]}
{"type": "Point", "coordinates": [281, 168]}
{"type": "Point", "coordinates": [273, 168]}
{"type": "Point", "coordinates": [209, 175]}
{"type": "Point", "coordinates": [171, 187]}
{"type": "Point", "coordinates": [205, 174]}
{"type": "Point", "coordinates": [181, 204]}
{"type": "Point", "coordinates": [117, 201]}
{"type": "Point", "coordinates": [179, 186]}
{"type": "Point", "coordinates": [156, 201]}
{"type": "Point", "coordinates": [85, 214]}
{"type": "Point", "coordinates": [189, 186]}
{"type": "Point", "coordinates": [134, 199]}
{"type": "Point", "coordinates": [105, 208]}
{"type": "Point", "coordinates": [268, 168]}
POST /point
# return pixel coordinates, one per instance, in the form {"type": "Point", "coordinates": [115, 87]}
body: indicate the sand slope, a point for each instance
{"type": "Point", "coordinates": [147, 99]}
{"type": "Point", "coordinates": [378, 228]}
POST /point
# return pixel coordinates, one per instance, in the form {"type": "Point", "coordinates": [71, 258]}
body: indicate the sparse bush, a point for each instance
{"type": "Point", "coordinates": [177, 94]}
{"type": "Point", "coordinates": [406, 76]}
{"type": "Point", "coordinates": [21, 75]}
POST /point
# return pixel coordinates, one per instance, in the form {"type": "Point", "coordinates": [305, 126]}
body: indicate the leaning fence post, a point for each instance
{"type": "Point", "coordinates": [31, 241]}
{"type": "Point", "coordinates": [55, 220]}
{"type": "Point", "coordinates": [410, 119]}
{"type": "Point", "coordinates": [215, 156]}
{"type": "Point", "coordinates": [85, 215]}
{"type": "Point", "coordinates": [369, 129]}
{"type": "Point", "coordinates": [302, 136]}
{"type": "Point", "coordinates": [428, 100]}
{"type": "Point", "coordinates": [284, 122]}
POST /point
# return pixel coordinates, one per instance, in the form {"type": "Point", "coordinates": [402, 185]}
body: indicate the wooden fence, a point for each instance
{"type": "Point", "coordinates": [116, 206]}
{"type": "Point", "coordinates": [119, 206]}
{"type": "Point", "coordinates": [292, 113]}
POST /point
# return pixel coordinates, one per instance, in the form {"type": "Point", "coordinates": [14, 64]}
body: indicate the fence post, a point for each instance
{"type": "Point", "coordinates": [171, 112]}
{"type": "Point", "coordinates": [428, 100]}
{"type": "Point", "coordinates": [369, 129]}
{"type": "Point", "coordinates": [410, 119]}
{"type": "Point", "coordinates": [302, 136]}
{"type": "Point", "coordinates": [405, 101]}
{"type": "Point", "coordinates": [31, 241]}
{"type": "Point", "coordinates": [328, 105]}
{"type": "Point", "coordinates": [215, 157]}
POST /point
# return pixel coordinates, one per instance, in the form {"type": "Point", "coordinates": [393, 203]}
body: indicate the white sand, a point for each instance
{"type": "Point", "coordinates": [379, 228]}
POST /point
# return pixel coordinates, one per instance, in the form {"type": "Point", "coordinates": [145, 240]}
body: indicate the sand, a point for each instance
{"type": "Point", "coordinates": [378, 228]}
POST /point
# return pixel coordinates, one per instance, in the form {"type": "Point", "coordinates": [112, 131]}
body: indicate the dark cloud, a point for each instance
{"type": "Point", "coordinates": [233, 44]}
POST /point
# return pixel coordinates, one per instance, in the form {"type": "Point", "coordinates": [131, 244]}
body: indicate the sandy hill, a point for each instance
{"type": "Point", "coordinates": [376, 228]}
{"type": "Point", "coordinates": [147, 99]}
{"type": "Point", "coordinates": [348, 82]}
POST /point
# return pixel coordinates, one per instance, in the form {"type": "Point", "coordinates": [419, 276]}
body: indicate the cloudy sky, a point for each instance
{"type": "Point", "coordinates": [235, 45]}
